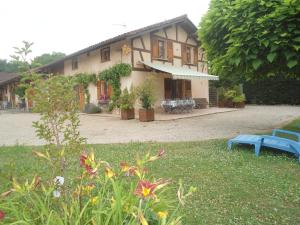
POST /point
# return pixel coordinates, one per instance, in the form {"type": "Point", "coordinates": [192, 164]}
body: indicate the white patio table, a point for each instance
{"type": "Point", "coordinates": [178, 106]}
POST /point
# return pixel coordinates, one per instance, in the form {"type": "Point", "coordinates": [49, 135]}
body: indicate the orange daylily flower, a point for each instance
{"type": "Point", "coordinates": [145, 189]}
{"type": "Point", "coordinates": [88, 162]}
{"type": "Point", "coordinates": [124, 166]}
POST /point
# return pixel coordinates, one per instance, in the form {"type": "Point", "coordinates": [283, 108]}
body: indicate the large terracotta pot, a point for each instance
{"type": "Point", "coordinates": [229, 104]}
{"type": "Point", "coordinates": [239, 104]}
{"type": "Point", "coordinates": [127, 114]}
{"type": "Point", "coordinates": [146, 115]}
{"type": "Point", "coordinates": [221, 104]}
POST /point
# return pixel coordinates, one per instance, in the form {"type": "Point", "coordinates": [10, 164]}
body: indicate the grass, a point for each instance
{"type": "Point", "coordinates": [233, 187]}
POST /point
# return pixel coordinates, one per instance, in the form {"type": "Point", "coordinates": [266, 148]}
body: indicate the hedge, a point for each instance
{"type": "Point", "coordinates": [273, 91]}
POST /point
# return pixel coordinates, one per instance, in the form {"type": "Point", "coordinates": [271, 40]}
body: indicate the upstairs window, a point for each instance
{"type": "Point", "coordinates": [105, 54]}
{"type": "Point", "coordinates": [189, 54]}
{"type": "Point", "coordinates": [75, 63]}
{"type": "Point", "coordinates": [161, 49]}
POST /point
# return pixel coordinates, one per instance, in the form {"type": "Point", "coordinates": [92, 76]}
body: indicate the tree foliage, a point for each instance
{"type": "Point", "coordinates": [252, 38]}
{"type": "Point", "coordinates": [20, 61]}
{"type": "Point", "coordinates": [8, 66]}
{"type": "Point", "coordinates": [47, 58]}
{"type": "Point", "coordinates": [55, 99]}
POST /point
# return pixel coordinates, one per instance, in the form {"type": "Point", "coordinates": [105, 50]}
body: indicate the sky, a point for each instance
{"type": "Point", "coordinates": [70, 25]}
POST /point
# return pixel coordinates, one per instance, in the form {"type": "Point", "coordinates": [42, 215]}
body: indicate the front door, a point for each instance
{"type": "Point", "coordinates": [81, 97]}
{"type": "Point", "coordinates": [177, 89]}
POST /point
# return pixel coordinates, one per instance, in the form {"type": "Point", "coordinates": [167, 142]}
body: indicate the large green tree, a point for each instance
{"type": "Point", "coordinates": [252, 39]}
{"type": "Point", "coordinates": [21, 63]}
{"type": "Point", "coordinates": [47, 58]}
{"type": "Point", "coordinates": [7, 66]}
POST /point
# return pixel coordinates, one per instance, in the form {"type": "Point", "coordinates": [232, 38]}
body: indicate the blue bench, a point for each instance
{"type": "Point", "coordinates": [272, 141]}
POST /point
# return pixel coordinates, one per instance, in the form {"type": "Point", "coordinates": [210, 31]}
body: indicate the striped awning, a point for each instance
{"type": "Point", "coordinates": [179, 72]}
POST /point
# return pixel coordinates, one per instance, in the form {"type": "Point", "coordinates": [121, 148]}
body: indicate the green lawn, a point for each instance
{"type": "Point", "coordinates": [233, 187]}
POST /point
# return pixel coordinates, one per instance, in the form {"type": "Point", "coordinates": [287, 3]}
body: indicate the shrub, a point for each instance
{"type": "Point", "coordinates": [127, 100]}
{"type": "Point", "coordinates": [91, 108]}
{"type": "Point", "coordinates": [221, 94]}
{"type": "Point", "coordinates": [234, 94]}
{"type": "Point", "coordinates": [239, 98]}
{"type": "Point", "coordinates": [55, 100]}
{"type": "Point", "coordinates": [230, 94]}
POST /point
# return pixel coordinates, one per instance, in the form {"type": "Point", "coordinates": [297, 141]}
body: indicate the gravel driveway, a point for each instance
{"type": "Point", "coordinates": [15, 128]}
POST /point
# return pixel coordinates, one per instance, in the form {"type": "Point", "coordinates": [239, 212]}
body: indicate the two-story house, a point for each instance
{"type": "Point", "coordinates": [168, 51]}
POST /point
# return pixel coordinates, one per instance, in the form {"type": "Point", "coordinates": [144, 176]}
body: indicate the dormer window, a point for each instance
{"type": "Point", "coordinates": [105, 54]}
{"type": "Point", "coordinates": [75, 63]}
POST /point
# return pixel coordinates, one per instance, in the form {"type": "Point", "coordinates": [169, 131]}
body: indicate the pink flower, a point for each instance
{"type": "Point", "coordinates": [2, 215]}
{"type": "Point", "coordinates": [161, 152]}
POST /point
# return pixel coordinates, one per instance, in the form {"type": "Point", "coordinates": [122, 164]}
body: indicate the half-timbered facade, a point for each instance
{"type": "Point", "coordinates": [168, 52]}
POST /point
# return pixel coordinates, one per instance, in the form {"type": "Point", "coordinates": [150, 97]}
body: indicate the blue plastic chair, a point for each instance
{"type": "Point", "coordinates": [272, 141]}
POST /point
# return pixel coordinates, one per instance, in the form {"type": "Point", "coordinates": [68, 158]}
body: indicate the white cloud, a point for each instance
{"type": "Point", "coordinates": [70, 25]}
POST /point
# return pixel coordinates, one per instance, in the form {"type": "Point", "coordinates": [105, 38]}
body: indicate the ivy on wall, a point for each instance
{"type": "Point", "coordinates": [113, 76]}
{"type": "Point", "coordinates": [84, 79]}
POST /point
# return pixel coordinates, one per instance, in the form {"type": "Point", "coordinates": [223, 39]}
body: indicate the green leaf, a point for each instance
{"type": "Point", "coordinates": [292, 63]}
{"type": "Point", "coordinates": [274, 47]}
{"type": "Point", "coordinates": [256, 63]}
{"type": "Point", "coordinates": [297, 39]}
{"type": "Point", "coordinates": [296, 47]}
{"type": "Point", "coordinates": [237, 61]}
{"type": "Point", "coordinates": [271, 56]}
{"type": "Point", "coordinates": [265, 43]}
{"type": "Point", "coordinates": [289, 54]}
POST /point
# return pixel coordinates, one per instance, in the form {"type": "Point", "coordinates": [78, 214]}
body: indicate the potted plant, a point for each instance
{"type": "Point", "coordinates": [147, 98]}
{"type": "Point", "coordinates": [229, 95]}
{"type": "Point", "coordinates": [239, 101]}
{"type": "Point", "coordinates": [221, 97]}
{"type": "Point", "coordinates": [126, 102]}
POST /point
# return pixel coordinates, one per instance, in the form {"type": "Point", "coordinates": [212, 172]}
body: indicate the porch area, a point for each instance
{"type": "Point", "coordinates": [180, 90]}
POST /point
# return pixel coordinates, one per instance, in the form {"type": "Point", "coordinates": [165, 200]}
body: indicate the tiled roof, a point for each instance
{"type": "Point", "coordinates": [184, 19]}
{"type": "Point", "coordinates": [8, 77]}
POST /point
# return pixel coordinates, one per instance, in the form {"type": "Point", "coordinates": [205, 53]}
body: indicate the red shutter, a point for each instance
{"type": "Point", "coordinates": [170, 51]}
{"type": "Point", "coordinates": [195, 55]}
{"type": "Point", "coordinates": [98, 89]}
{"type": "Point", "coordinates": [183, 54]}
{"type": "Point", "coordinates": [154, 48]}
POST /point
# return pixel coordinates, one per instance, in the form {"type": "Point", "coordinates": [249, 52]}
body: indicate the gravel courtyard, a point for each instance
{"type": "Point", "coordinates": [15, 128]}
